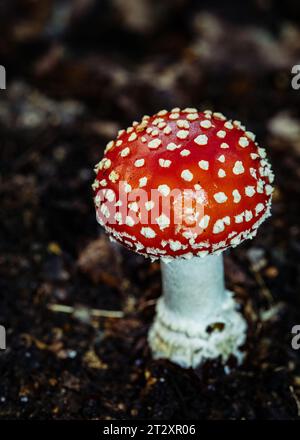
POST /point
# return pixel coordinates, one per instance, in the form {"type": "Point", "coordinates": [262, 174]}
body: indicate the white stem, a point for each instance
{"type": "Point", "coordinates": [196, 317]}
{"type": "Point", "coordinates": [194, 286]}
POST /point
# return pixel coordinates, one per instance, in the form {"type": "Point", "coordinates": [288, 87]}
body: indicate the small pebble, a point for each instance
{"type": "Point", "coordinates": [72, 354]}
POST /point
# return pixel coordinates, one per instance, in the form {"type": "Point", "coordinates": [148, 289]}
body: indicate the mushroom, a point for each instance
{"type": "Point", "coordinates": [183, 186]}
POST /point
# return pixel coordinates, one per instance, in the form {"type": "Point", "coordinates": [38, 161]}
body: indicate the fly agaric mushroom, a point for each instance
{"type": "Point", "coordinates": [184, 186]}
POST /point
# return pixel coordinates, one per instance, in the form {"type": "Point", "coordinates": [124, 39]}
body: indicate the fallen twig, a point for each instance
{"type": "Point", "coordinates": [84, 312]}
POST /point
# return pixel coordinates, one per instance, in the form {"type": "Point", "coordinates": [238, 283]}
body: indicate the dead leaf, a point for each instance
{"type": "Point", "coordinates": [93, 361]}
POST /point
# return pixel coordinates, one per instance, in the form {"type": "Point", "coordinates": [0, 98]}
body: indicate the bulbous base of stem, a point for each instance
{"type": "Point", "coordinates": [189, 343]}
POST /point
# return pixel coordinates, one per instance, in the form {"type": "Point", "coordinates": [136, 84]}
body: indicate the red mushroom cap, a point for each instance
{"type": "Point", "coordinates": [220, 177]}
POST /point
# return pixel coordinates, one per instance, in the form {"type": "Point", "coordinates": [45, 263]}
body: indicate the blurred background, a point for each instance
{"type": "Point", "coordinates": [76, 308]}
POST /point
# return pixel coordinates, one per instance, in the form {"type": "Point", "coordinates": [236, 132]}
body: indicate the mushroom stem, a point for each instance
{"type": "Point", "coordinates": [197, 318]}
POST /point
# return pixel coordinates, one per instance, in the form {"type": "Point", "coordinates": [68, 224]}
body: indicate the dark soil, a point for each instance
{"type": "Point", "coordinates": [77, 72]}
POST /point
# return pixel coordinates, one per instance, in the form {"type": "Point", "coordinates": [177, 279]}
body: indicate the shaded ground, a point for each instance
{"type": "Point", "coordinates": [76, 74]}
